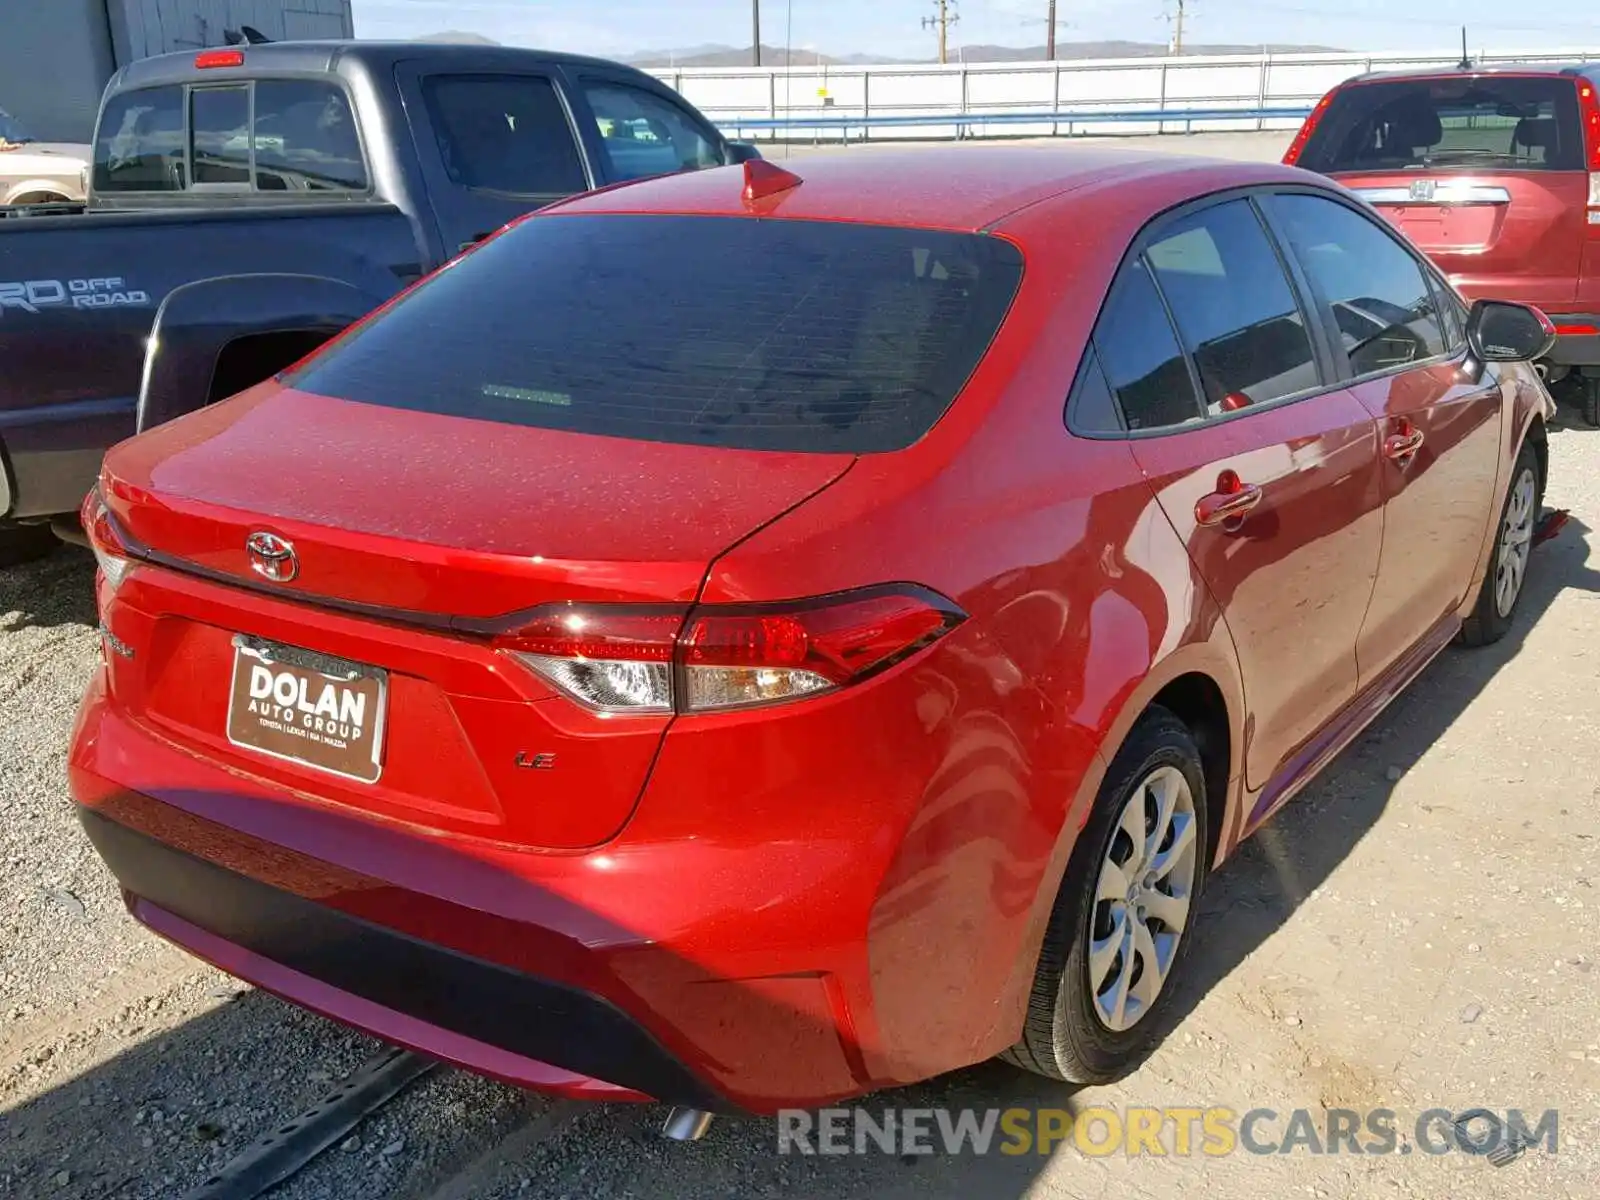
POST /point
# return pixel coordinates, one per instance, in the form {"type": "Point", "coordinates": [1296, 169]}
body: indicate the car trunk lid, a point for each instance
{"type": "Point", "coordinates": [370, 675]}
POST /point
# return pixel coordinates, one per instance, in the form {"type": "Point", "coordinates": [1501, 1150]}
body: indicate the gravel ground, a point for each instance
{"type": "Point", "coordinates": [1417, 930]}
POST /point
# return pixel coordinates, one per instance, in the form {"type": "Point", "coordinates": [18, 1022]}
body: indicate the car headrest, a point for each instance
{"type": "Point", "coordinates": [1417, 124]}
{"type": "Point", "coordinates": [1536, 133]}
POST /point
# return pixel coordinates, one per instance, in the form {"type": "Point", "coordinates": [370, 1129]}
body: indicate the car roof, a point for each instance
{"type": "Point", "coordinates": [374, 56]}
{"type": "Point", "coordinates": [966, 188]}
{"type": "Point", "coordinates": [1553, 70]}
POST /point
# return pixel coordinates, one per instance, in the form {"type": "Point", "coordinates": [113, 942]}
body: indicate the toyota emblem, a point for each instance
{"type": "Point", "coordinates": [272, 557]}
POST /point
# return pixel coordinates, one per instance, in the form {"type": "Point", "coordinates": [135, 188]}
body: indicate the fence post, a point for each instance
{"type": "Point", "coordinates": [1261, 91]}
{"type": "Point", "coordinates": [866, 104]}
{"type": "Point", "coordinates": [1161, 100]}
{"type": "Point", "coordinates": [960, 128]}
{"type": "Point", "coordinates": [1055, 105]}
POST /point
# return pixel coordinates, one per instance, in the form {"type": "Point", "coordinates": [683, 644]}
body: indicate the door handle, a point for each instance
{"type": "Point", "coordinates": [1232, 499]}
{"type": "Point", "coordinates": [1403, 444]}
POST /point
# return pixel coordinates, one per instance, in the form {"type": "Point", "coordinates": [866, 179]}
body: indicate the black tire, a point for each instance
{"type": "Point", "coordinates": [1488, 623]}
{"type": "Point", "coordinates": [25, 543]}
{"type": "Point", "coordinates": [1063, 1037]}
{"type": "Point", "coordinates": [1591, 402]}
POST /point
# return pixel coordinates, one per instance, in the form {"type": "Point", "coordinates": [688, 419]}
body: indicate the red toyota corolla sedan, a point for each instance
{"type": "Point", "coordinates": [747, 640]}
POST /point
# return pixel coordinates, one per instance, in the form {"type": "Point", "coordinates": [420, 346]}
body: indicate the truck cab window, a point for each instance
{"type": "Point", "coordinates": [646, 134]}
{"type": "Point", "coordinates": [306, 139]}
{"type": "Point", "coordinates": [220, 120]}
{"type": "Point", "coordinates": [504, 133]}
{"type": "Point", "coordinates": [140, 142]}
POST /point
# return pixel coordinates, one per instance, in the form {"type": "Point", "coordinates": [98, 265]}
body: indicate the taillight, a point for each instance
{"type": "Point", "coordinates": [110, 551]}
{"type": "Point", "coordinates": [715, 657]}
{"type": "Point", "coordinates": [210, 60]}
{"type": "Point", "coordinates": [613, 659]}
{"type": "Point", "coordinates": [1291, 156]}
{"type": "Point", "coordinates": [1589, 109]}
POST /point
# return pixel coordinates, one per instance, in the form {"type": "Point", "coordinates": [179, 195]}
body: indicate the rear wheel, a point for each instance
{"type": "Point", "coordinates": [24, 543]}
{"type": "Point", "coordinates": [1591, 402]}
{"type": "Point", "coordinates": [1122, 921]}
{"type": "Point", "coordinates": [1508, 560]}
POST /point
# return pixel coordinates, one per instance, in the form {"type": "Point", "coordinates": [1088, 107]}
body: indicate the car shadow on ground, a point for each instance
{"type": "Point", "coordinates": [234, 1072]}
{"type": "Point", "coordinates": [57, 590]}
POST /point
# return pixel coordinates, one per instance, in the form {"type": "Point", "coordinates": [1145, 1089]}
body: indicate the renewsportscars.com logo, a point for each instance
{"type": "Point", "coordinates": [1168, 1132]}
{"type": "Point", "coordinates": [33, 296]}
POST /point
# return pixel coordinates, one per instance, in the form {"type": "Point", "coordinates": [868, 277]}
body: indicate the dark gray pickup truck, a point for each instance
{"type": "Point", "coordinates": [247, 203]}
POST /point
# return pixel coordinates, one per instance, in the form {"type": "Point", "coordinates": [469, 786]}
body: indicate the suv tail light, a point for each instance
{"type": "Point", "coordinates": [110, 550]}
{"type": "Point", "coordinates": [1291, 156]}
{"type": "Point", "coordinates": [653, 660]}
{"type": "Point", "coordinates": [1589, 110]}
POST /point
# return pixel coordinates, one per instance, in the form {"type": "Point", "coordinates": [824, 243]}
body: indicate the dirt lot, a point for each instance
{"type": "Point", "coordinates": [1416, 931]}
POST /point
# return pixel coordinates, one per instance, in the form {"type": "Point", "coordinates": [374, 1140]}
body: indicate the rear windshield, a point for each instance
{"type": "Point", "coordinates": [267, 135]}
{"type": "Point", "coordinates": [738, 332]}
{"type": "Point", "coordinates": [1472, 123]}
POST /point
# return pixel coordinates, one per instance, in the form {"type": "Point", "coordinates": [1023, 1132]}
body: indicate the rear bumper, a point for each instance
{"type": "Point", "coordinates": [533, 1032]}
{"type": "Point", "coordinates": [1574, 346]}
{"type": "Point", "coordinates": [724, 964]}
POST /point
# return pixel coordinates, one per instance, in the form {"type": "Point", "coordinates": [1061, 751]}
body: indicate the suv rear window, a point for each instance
{"type": "Point", "coordinates": [755, 334]}
{"type": "Point", "coordinates": [1471, 123]}
{"type": "Point", "coordinates": [303, 139]}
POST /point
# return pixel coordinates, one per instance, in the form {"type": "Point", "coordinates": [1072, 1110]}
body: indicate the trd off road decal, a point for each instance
{"type": "Point", "coordinates": [36, 295]}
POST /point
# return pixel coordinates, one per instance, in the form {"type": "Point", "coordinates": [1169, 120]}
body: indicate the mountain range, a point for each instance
{"type": "Point", "coordinates": [718, 55]}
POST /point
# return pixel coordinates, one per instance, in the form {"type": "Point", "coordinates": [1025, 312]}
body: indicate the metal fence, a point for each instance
{"type": "Point", "coordinates": [1031, 99]}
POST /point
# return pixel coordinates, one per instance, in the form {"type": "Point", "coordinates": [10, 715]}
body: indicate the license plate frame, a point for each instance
{"type": "Point", "coordinates": [338, 682]}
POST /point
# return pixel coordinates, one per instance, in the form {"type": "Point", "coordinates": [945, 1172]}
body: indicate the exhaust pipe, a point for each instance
{"type": "Point", "coordinates": [686, 1124]}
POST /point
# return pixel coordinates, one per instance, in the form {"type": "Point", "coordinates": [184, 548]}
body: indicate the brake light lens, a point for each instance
{"type": "Point", "coordinates": [110, 551]}
{"type": "Point", "coordinates": [728, 656]}
{"type": "Point", "coordinates": [209, 59]}
{"type": "Point", "coordinates": [1291, 156]}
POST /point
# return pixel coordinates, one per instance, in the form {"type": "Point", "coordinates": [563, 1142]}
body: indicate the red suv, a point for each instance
{"type": "Point", "coordinates": [746, 640]}
{"type": "Point", "coordinates": [1495, 173]}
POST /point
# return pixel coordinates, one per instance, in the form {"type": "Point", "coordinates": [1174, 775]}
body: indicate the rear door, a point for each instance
{"type": "Point", "coordinates": [493, 146]}
{"type": "Point", "coordinates": [1486, 173]}
{"type": "Point", "coordinates": [1268, 474]}
{"type": "Point", "coordinates": [1397, 343]}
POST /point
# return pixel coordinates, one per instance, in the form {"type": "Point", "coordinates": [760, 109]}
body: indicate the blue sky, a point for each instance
{"type": "Point", "coordinates": [892, 27]}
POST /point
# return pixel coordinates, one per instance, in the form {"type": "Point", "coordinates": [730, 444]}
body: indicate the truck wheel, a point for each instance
{"type": "Point", "coordinates": [24, 543]}
{"type": "Point", "coordinates": [1591, 402]}
{"type": "Point", "coordinates": [1125, 915]}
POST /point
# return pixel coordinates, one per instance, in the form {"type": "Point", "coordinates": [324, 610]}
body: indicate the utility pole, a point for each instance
{"type": "Point", "coordinates": [1177, 28]}
{"type": "Point", "coordinates": [946, 18]}
{"type": "Point", "coordinates": [755, 30]}
{"type": "Point", "coordinates": [1050, 35]}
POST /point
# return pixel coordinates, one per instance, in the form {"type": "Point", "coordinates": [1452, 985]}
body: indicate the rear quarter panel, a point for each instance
{"type": "Point", "coordinates": [1082, 604]}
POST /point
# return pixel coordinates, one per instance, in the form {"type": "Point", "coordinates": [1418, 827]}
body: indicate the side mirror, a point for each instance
{"type": "Point", "coordinates": [742, 152]}
{"type": "Point", "coordinates": [1499, 331]}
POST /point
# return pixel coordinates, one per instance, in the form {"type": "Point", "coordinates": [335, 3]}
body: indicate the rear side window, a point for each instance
{"type": "Point", "coordinates": [1376, 296]}
{"type": "Point", "coordinates": [646, 134]}
{"type": "Point", "coordinates": [1140, 354]}
{"type": "Point", "coordinates": [270, 135]}
{"type": "Point", "coordinates": [504, 133]}
{"type": "Point", "coordinates": [141, 145]}
{"type": "Point", "coordinates": [1467, 123]}
{"type": "Point", "coordinates": [1234, 308]}
{"type": "Point", "coordinates": [767, 335]}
